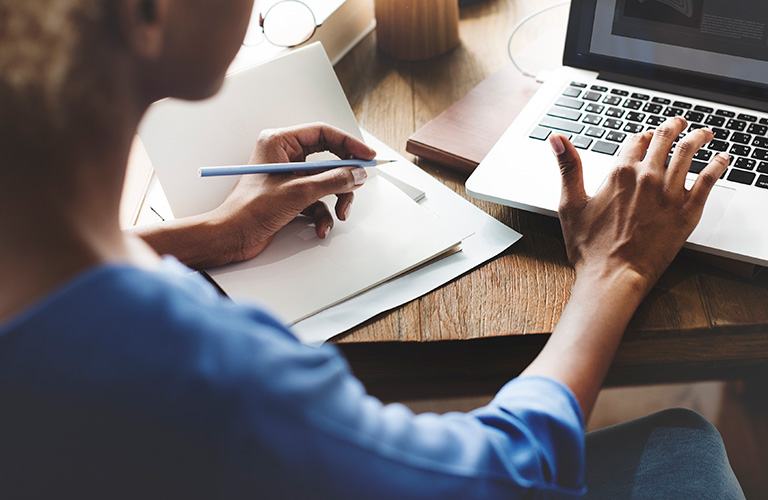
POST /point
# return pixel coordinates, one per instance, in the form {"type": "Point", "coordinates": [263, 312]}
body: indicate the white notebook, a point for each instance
{"type": "Point", "coordinates": [298, 274]}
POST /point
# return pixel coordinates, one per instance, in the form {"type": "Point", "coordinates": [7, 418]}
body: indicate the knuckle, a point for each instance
{"type": "Point", "coordinates": [665, 131]}
{"type": "Point", "coordinates": [686, 147]}
{"type": "Point", "coordinates": [567, 165]}
{"type": "Point", "coordinates": [707, 178]}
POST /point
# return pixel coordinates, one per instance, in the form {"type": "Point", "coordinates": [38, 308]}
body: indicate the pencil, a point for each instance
{"type": "Point", "coordinates": [272, 168]}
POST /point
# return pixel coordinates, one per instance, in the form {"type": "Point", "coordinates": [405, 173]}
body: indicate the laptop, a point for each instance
{"type": "Point", "coordinates": [627, 66]}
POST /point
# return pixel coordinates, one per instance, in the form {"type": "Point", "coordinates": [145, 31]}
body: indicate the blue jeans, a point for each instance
{"type": "Point", "coordinates": [674, 454]}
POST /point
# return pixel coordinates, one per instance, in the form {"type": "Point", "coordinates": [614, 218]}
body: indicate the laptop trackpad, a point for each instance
{"type": "Point", "coordinates": [717, 203]}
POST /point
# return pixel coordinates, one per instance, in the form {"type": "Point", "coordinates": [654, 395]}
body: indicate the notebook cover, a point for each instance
{"type": "Point", "coordinates": [461, 136]}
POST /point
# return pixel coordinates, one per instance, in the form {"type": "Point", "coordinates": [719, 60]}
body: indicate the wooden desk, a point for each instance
{"type": "Point", "coordinates": [472, 335]}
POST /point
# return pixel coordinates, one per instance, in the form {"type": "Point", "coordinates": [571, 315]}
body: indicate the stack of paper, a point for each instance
{"type": "Point", "coordinates": [299, 276]}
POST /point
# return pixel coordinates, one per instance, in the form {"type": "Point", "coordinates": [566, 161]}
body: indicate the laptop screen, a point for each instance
{"type": "Point", "coordinates": [714, 45]}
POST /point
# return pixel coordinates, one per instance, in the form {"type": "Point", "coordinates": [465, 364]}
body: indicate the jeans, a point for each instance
{"type": "Point", "coordinates": [674, 454]}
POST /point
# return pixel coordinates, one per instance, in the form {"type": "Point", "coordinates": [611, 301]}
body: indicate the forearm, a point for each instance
{"type": "Point", "coordinates": [587, 335]}
{"type": "Point", "coordinates": [199, 242]}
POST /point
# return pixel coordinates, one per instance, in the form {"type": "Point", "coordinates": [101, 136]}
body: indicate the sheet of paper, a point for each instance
{"type": "Point", "coordinates": [299, 274]}
{"type": "Point", "coordinates": [483, 238]}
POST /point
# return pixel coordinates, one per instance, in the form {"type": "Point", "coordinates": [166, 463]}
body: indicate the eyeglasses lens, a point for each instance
{"type": "Point", "coordinates": [289, 23]}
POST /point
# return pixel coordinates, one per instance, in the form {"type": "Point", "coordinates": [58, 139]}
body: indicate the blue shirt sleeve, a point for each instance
{"type": "Point", "coordinates": [279, 419]}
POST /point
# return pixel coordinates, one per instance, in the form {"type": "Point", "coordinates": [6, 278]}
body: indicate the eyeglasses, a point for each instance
{"type": "Point", "coordinates": [286, 24]}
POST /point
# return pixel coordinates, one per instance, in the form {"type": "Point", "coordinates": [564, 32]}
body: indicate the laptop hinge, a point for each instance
{"type": "Point", "coordinates": [706, 95]}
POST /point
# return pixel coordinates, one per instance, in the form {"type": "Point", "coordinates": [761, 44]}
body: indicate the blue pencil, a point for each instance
{"type": "Point", "coordinates": [272, 168]}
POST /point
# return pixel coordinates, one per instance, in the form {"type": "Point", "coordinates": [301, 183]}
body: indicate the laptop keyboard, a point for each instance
{"type": "Point", "coordinates": [598, 118]}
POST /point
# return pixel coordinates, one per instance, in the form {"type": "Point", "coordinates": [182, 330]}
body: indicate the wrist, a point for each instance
{"type": "Point", "coordinates": [622, 284]}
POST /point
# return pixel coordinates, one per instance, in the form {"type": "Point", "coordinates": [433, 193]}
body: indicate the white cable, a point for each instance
{"type": "Point", "coordinates": [520, 25]}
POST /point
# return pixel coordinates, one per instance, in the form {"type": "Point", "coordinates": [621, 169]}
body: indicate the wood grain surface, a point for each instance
{"type": "Point", "coordinates": [477, 331]}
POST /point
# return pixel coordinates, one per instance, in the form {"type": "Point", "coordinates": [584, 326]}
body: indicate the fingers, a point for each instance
{"type": "Point", "coordinates": [315, 137]}
{"type": "Point", "coordinates": [344, 205]}
{"type": "Point", "coordinates": [707, 179]}
{"type": "Point", "coordinates": [635, 147]}
{"type": "Point", "coordinates": [683, 154]}
{"type": "Point", "coordinates": [333, 181]}
{"type": "Point", "coordinates": [319, 212]}
{"type": "Point", "coordinates": [663, 138]}
{"type": "Point", "coordinates": [571, 174]}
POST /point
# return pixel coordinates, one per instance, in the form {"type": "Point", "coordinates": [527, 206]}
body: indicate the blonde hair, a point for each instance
{"type": "Point", "coordinates": [38, 42]}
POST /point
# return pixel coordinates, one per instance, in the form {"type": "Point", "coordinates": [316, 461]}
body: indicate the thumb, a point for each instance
{"type": "Point", "coordinates": [571, 173]}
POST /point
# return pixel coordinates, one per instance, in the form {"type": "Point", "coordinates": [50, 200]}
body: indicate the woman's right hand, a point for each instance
{"type": "Point", "coordinates": [642, 215]}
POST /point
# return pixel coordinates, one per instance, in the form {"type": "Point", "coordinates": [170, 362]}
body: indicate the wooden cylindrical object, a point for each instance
{"type": "Point", "coordinates": [414, 30]}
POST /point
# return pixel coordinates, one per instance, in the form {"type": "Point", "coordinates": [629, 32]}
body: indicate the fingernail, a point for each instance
{"type": "Point", "coordinates": [359, 175]}
{"type": "Point", "coordinates": [724, 156]}
{"type": "Point", "coordinates": [556, 142]}
{"type": "Point", "coordinates": [347, 210]}
{"type": "Point", "coordinates": [326, 231]}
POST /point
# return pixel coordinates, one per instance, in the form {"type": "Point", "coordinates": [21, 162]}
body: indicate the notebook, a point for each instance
{"type": "Point", "coordinates": [629, 64]}
{"type": "Point", "coordinates": [298, 275]}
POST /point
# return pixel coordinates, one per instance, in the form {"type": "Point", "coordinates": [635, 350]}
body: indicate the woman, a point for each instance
{"type": "Point", "coordinates": [123, 375]}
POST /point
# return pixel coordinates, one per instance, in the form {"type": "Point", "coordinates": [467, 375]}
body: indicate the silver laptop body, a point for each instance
{"type": "Point", "coordinates": [629, 64]}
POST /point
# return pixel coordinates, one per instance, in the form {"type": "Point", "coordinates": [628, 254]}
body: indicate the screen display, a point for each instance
{"type": "Point", "coordinates": [721, 38]}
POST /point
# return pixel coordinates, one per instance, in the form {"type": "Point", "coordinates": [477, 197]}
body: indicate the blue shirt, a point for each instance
{"type": "Point", "coordinates": [127, 383]}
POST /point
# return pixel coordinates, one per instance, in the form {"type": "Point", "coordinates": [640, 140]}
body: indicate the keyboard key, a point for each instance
{"type": "Point", "coordinates": [608, 148]}
{"type": "Point", "coordinates": [642, 97]}
{"type": "Point", "coordinates": [715, 121]}
{"type": "Point", "coordinates": [736, 125]}
{"type": "Point", "coordinates": [655, 121]}
{"type": "Point", "coordinates": [612, 100]}
{"type": "Point", "coordinates": [695, 126]}
{"type": "Point", "coordinates": [741, 138]}
{"type": "Point", "coordinates": [616, 136]}
{"type": "Point", "coordinates": [633, 104]}
{"type": "Point", "coordinates": [567, 102]}
{"type": "Point", "coordinates": [594, 108]}
{"type": "Point", "coordinates": [760, 154]}
{"type": "Point", "coordinates": [654, 109]}
{"type": "Point", "coordinates": [682, 104]}
{"type": "Point", "coordinates": [593, 119]}
{"type": "Point", "coordinates": [540, 133]}
{"type": "Point", "coordinates": [703, 109]}
{"type": "Point", "coordinates": [740, 150]}
{"type": "Point", "coordinates": [558, 124]}
{"type": "Point", "coordinates": [741, 176]}
{"type": "Point", "coordinates": [661, 100]}
{"type": "Point", "coordinates": [613, 124]}
{"type": "Point", "coordinates": [747, 118]}
{"type": "Point", "coordinates": [592, 96]}
{"type": "Point", "coordinates": [633, 128]}
{"type": "Point", "coordinates": [718, 145]}
{"type": "Point", "coordinates": [697, 166]}
{"type": "Point", "coordinates": [762, 182]}
{"type": "Point", "coordinates": [571, 92]}
{"type": "Point", "coordinates": [745, 163]}
{"type": "Point", "coordinates": [595, 132]}
{"type": "Point", "coordinates": [598, 88]}
{"type": "Point", "coordinates": [703, 155]}
{"type": "Point", "coordinates": [760, 142]}
{"type": "Point", "coordinates": [622, 93]}
{"type": "Point", "coordinates": [694, 116]}
{"type": "Point", "coordinates": [581, 142]}
{"type": "Point", "coordinates": [579, 85]}
{"type": "Point", "coordinates": [757, 129]}
{"type": "Point", "coordinates": [635, 117]}
{"type": "Point", "coordinates": [568, 114]}
{"type": "Point", "coordinates": [725, 113]}
{"type": "Point", "coordinates": [764, 121]}
{"type": "Point", "coordinates": [763, 167]}
{"type": "Point", "coordinates": [673, 111]}
{"type": "Point", "coordinates": [721, 133]}
{"type": "Point", "coordinates": [615, 112]}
